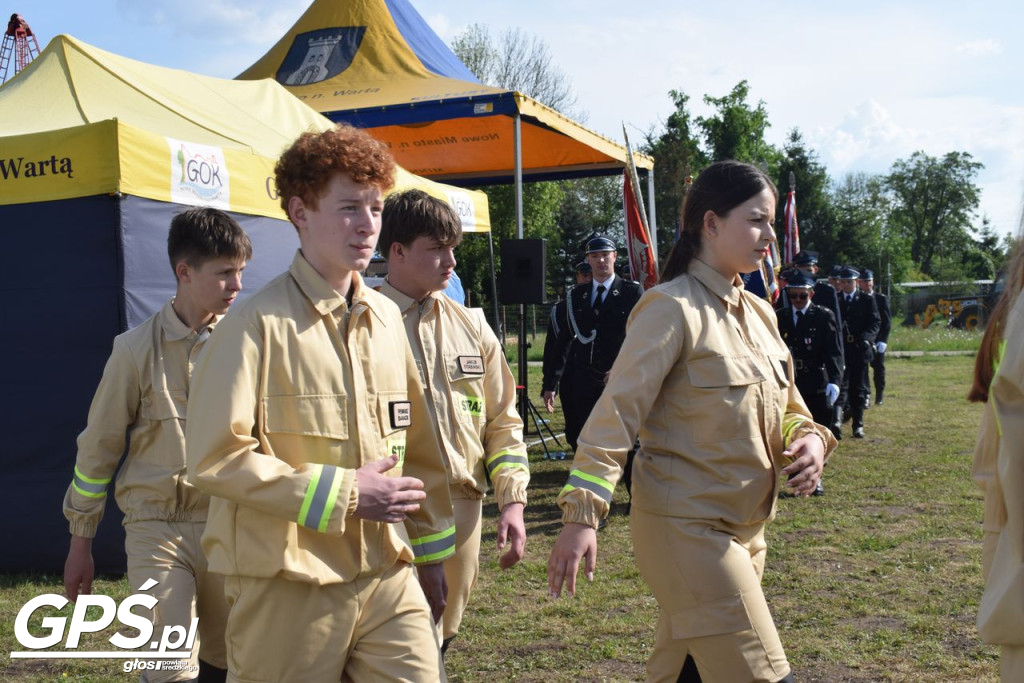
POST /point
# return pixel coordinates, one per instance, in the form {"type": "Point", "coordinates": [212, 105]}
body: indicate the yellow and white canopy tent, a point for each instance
{"type": "Point", "coordinates": [378, 65]}
{"type": "Point", "coordinates": [97, 153]}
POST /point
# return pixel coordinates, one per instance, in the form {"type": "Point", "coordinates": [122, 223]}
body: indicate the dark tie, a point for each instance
{"type": "Point", "coordinates": [799, 317]}
{"type": "Point", "coordinates": [599, 298]}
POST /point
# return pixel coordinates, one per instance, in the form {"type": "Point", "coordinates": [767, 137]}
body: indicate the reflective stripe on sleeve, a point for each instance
{"type": "Point", "coordinates": [439, 546]}
{"type": "Point", "coordinates": [1000, 352]}
{"type": "Point", "coordinates": [89, 487]}
{"type": "Point", "coordinates": [581, 480]}
{"type": "Point", "coordinates": [321, 496]}
{"type": "Point", "coordinates": [506, 459]}
{"type": "Point", "coordinates": [789, 425]}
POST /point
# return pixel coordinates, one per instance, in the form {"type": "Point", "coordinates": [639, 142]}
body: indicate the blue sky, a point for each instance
{"type": "Point", "coordinates": [866, 82]}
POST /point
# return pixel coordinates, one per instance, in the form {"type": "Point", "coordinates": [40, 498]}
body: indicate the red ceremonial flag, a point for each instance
{"type": "Point", "coordinates": [792, 237]}
{"type": "Point", "coordinates": [638, 243]}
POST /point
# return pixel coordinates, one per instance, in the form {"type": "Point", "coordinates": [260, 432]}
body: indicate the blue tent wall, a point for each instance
{"type": "Point", "coordinates": [64, 293]}
{"type": "Point", "coordinates": [60, 285]}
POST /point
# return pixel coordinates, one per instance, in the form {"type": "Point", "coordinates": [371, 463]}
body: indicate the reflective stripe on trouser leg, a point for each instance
{"type": "Point", "coordinates": [708, 585]}
{"type": "Point", "coordinates": [461, 570]}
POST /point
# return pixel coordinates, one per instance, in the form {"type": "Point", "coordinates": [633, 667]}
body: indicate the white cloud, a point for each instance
{"type": "Point", "coordinates": [980, 48]}
{"type": "Point", "coordinates": [258, 22]}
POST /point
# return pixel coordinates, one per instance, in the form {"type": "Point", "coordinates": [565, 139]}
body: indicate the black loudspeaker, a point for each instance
{"type": "Point", "coordinates": [523, 271]}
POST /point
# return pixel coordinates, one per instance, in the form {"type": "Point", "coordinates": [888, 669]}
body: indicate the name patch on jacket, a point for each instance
{"type": "Point", "coordinates": [400, 413]}
{"type": "Point", "coordinates": [471, 365]}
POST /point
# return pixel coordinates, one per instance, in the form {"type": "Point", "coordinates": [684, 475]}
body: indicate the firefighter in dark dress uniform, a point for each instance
{"type": "Point", "coordinates": [859, 328]}
{"type": "Point", "coordinates": [589, 337]}
{"type": "Point", "coordinates": [867, 285]}
{"type": "Point", "coordinates": [811, 333]}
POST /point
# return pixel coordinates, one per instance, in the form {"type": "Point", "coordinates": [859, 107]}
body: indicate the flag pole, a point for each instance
{"type": "Point", "coordinates": [636, 194]}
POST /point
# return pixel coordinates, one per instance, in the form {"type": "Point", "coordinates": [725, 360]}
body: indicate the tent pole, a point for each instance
{"type": "Point", "coordinates": [498, 330]}
{"type": "Point", "coordinates": [651, 213]}
{"type": "Point", "coordinates": [524, 394]}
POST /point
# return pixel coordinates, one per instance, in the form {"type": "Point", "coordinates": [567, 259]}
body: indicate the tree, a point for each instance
{"type": "Point", "coordinates": [814, 207]}
{"type": "Point", "coordinates": [862, 235]}
{"type": "Point", "coordinates": [590, 205]}
{"type": "Point", "coordinates": [522, 63]}
{"type": "Point", "coordinates": [677, 154]}
{"type": "Point", "coordinates": [934, 203]}
{"type": "Point", "coordinates": [737, 131]}
{"type": "Point", "coordinates": [519, 62]}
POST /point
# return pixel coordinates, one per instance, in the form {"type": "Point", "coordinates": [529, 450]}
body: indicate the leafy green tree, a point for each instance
{"type": "Point", "coordinates": [590, 206]}
{"type": "Point", "coordinates": [541, 205]}
{"type": "Point", "coordinates": [862, 236]}
{"type": "Point", "coordinates": [737, 131]}
{"type": "Point", "coordinates": [677, 155]}
{"type": "Point", "coordinates": [935, 201]}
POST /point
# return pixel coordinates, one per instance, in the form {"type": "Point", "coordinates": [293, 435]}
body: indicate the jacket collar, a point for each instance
{"type": "Point", "coordinates": [406, 303]}
{"type": "Point", "coordinates": [729, 291]}
{"type": "Point", "coordinates": [173, 327]}
{"type": "Point", "coordinates": [323, 297]}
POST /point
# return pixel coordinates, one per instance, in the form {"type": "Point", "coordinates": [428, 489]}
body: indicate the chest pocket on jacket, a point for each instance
{"type": "Point", "coordinates": [323, 415]}
{"type": "Point", "coordinates": [159, 409]}
{"type": "Point", "coordinates": [781, 367]}
{"type": "Point", "coordinates": [164, 405]}
{"type": "Point", "coordinates": [395, 417]}
{"type": "Point", "coordinates": [725, 403]}
{"type": "Point", "coordinates": [466, 378]}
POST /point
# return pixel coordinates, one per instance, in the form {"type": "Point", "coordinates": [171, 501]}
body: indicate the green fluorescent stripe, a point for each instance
{"type": "Point", "coordinates": [332, 501]}
{"type": "Point", "coordinates": [88, 494]}
{"type": "Point", "coordinates": [581, 480]}
{"type": "Point", "coordinates": [79, 475]}
{"type": "Point", "coordinates": [450, 531]}
{"type": "Point", "coordinates": [788, 427]}
{"type": "Point", "coordinates": [507, 459]}
{"type": "Point", "coordinates": [1000, 352]}
{"type": "Point", "coordinates": [434, 547]}
{"type": "Point", "coordinates": [443, 555]}
{"type": "Point", "coordinates": [90, 488]}
{"type": "Point", "coordinates": [321, 494]}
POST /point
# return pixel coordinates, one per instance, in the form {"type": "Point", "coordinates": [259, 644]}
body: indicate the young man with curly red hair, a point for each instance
{"type": "Point", "coordinates": [309, 425]}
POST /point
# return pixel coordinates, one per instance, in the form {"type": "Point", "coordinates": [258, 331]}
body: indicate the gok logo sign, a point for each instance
{"type": "Point", "coordinates": [199, 175]}
{"type": "Point", "coordinates": [163, 646]}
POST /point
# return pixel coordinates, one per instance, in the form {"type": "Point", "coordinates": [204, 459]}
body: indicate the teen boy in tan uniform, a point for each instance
{"type": "Point", "coordinates": [143, 394]}
{"type": "Point", "coordinates": [305, 410]}
{"type": "Point", "coordinates": [471, 389]}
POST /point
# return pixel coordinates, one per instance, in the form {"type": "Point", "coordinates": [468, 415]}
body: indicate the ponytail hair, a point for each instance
{"type": "Point", "coordinates": [719, 188]}
{"type": "Point", "coordinates": [988, 352]}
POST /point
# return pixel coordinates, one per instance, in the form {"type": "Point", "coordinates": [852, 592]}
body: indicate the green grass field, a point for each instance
{"type": "Point", "coordinates": [879, 580]}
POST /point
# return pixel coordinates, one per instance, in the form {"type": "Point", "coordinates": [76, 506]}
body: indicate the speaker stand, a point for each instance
{"type": "Point", "coordinates": [541, 425]}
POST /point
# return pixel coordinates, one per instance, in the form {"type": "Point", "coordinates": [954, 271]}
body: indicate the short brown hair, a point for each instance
{"type": "Point", "coordinates": [307, 166]}
{"type": "Point", "coordinates": [202, 234]}
{"type": "Point", "coordinates": [414, 213]}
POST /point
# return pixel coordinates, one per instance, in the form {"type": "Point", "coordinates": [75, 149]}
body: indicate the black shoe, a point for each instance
{"type": "Point", "coordinates": [858, 432]}
{"type": "Point", "coordinates": [819, 490]}
{"type": "Point", "coordinates": [878, 402]}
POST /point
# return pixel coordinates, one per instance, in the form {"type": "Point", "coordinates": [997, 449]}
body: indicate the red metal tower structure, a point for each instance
{"type": "Point", "coordinates": [19, 42]}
